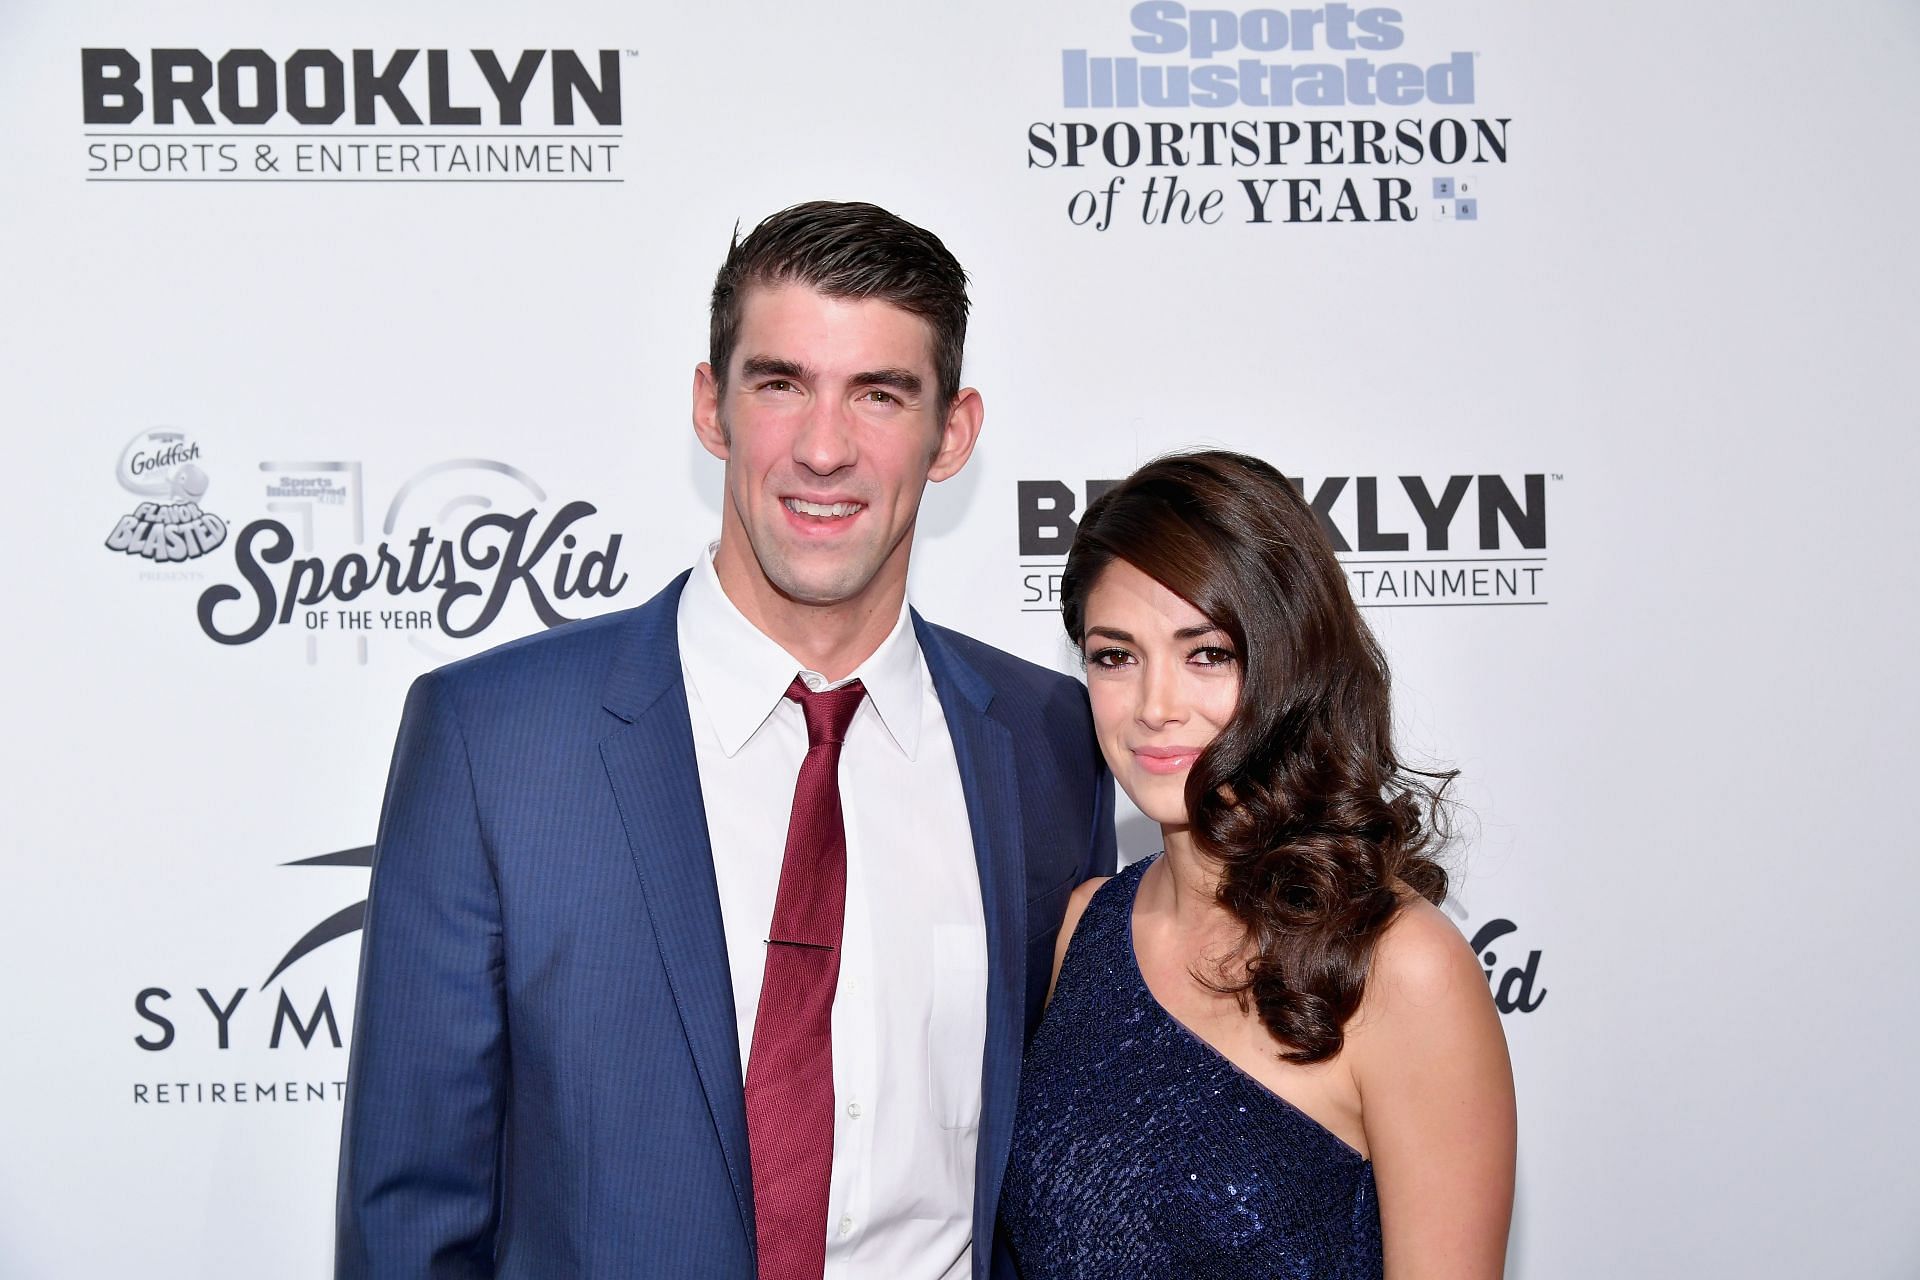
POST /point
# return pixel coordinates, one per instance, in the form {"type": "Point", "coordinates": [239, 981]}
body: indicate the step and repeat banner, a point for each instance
{"type": "Point", "coordinates": [342, 344]}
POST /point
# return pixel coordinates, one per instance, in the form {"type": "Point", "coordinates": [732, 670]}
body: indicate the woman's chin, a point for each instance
{"type": "Point", "coordinates": [1160, 804]}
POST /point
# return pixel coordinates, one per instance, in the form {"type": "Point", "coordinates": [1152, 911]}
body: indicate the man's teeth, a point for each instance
{"type": "Point", "coordinates": [834, 509]}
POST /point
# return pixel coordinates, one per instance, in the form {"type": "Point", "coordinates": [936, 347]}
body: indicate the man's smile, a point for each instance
{"type": "Point", "coordinates": [823, 510]}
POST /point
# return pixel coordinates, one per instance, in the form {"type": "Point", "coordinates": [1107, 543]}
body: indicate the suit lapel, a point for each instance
{"type": "Point", "coordinates": [656, 783]}
{"type": "Point", "coordinates": [989, 779]}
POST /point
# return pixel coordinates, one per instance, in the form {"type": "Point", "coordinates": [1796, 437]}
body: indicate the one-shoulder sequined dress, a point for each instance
{"type": "Point", "coordinates": [1139, 1151]}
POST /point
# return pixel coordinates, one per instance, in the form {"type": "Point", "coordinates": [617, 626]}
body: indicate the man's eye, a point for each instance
{"type": "Point", "coordinates": [776, 384]}
{"type": "Point", "coordinates": [878, 396]}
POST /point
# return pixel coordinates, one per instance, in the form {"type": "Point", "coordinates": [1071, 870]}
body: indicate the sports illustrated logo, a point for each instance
{"type": "Point", "coordinates": [1404, 541]}
{"type": "Point", "coordinates": [163, 466]}
{"type": "Point", "coordinates": [462, 544]}
{"type": "Point", "coordinates": [226, 1020]}
{"type": "Point", "coordinates": [433, 115]}
{"type": "Point", "coordinates": [1233, 102]}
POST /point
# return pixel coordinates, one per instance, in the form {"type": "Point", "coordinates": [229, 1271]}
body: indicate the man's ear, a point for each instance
{"type": "Point", "coordinates": [958, 435]}
{"type": "Point", "coordinates": [707, 426]}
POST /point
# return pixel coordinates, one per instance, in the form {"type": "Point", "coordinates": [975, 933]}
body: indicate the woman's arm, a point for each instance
{"type": "Point", "coordinates": [1436, 1098]}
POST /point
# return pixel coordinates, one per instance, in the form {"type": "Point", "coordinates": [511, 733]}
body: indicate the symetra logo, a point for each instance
{"type": "Point", "coordinates": [239, 1021]}
{"type": "Point", "coordinates": [1405, 541]}
{"type": "Point", "coordinates": [249, 115]}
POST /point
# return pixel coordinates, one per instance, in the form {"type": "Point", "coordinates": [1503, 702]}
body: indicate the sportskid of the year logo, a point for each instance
{"type": "Point", "coordinates": [459, 543]}
{"type": "Point", "coordinates": [1514, 987]}
{"type": "Point", "coordinates": [162, 466]}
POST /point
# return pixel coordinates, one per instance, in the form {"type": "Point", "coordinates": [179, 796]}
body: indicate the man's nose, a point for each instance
{"type": "Point", "coordinates": [825, 443]}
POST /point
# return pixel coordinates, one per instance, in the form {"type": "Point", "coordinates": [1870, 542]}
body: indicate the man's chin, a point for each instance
{"type": "Point", "coordinates": [820, 585]}
{"type": "Point", "coordinates": [821, 594]}
{"type": "Point", "coordinates": [810, 573]}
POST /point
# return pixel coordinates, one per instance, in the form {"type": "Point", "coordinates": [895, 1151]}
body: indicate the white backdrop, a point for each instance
{"type": "Point", "coordinates": [1676, 290]}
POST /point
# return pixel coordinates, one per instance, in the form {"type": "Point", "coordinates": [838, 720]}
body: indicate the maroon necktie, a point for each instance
{"type": "Point", "coordinates": [790, 1068]}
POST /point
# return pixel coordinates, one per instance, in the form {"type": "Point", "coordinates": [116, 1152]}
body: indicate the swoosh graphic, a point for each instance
{"type": "Point", "coordinates": [361, 857]}
{"type": "Point", "coordinates": [338, 925]}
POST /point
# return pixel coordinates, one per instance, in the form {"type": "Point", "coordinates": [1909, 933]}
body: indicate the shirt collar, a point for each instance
{"type": "Point", "coordinates": [742, 674]}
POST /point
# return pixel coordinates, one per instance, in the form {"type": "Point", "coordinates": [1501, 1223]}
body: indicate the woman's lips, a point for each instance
{"type": "Point", "coordinates": [1165, 759]}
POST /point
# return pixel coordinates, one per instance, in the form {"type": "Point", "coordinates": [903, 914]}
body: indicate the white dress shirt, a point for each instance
{"type": "Point", "coordinates": [910, 1014]}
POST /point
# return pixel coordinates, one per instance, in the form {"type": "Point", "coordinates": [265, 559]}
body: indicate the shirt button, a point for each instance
{"type": "Point", "coordinates": [846, 1226]}
{"type": "Point", "coordinates": [853, 1110]}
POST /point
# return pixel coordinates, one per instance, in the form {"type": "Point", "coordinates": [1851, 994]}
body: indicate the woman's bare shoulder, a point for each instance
{"type": "Point", "coordinates": [1426, 993]}
{"type": "Point", "coordinates": [1422, 958]}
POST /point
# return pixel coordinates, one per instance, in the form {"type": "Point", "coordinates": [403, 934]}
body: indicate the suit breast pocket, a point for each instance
{"type": "Point", "coordinates": [957, 1025]}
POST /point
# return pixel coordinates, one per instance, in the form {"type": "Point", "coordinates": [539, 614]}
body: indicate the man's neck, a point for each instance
{"type": "Point", "coordinates": [832, 639]}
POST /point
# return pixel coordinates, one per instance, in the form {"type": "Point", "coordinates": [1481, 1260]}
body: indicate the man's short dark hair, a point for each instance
{"type": "Point", "coordinates": [849, 250]}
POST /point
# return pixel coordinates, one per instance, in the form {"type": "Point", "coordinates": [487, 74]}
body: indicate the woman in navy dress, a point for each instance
{"type": "Point", "coordinates": [1267, 1053]}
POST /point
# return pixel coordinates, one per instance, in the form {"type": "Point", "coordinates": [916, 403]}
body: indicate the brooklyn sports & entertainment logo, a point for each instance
{"type": "Point", "coordinates": [182, 114]}
{"type": "Point", "coordinates": [1406, 541]}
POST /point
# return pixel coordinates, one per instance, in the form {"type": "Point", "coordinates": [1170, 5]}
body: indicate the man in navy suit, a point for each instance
{"type": "Point", "coordinates": [770, 807]}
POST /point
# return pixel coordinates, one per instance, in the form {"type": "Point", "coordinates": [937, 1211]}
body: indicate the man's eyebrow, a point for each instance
{"type": "Point", "coordinates": [902, 380]}
{"type": "Point", "coordinates": [772, 367]}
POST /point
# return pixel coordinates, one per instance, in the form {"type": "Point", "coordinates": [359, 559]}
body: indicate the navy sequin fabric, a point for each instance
{"type": "Point", "coordinates": [1139, 1151]}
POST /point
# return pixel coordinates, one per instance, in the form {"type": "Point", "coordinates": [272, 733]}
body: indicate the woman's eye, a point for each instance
{"type": "Point", "coordinates": [1212, 656]}
{"type": "Point", "coordinates": [1108, 658]}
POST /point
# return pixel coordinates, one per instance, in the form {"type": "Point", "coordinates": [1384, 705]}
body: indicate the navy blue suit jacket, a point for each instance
{"type": "Point", "coordinates": [545, 1078]}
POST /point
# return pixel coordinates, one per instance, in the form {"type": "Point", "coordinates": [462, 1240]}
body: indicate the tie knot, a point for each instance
{"type": "Point", "coordinates": [829, 711]}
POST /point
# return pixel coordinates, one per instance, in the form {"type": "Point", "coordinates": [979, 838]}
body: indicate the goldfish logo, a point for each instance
{"type": "Point", "coordinates": [163, 466]}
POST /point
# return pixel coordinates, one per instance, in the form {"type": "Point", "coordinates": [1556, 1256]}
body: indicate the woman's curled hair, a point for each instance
{"type": "Point", "coordinates": [1314, 820]}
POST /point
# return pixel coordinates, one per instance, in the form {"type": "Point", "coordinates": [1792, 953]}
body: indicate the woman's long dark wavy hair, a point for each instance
{"type": "Point", "coordinates": [1301, 799]}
